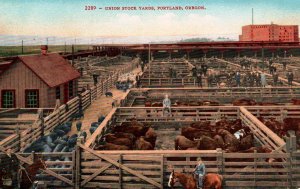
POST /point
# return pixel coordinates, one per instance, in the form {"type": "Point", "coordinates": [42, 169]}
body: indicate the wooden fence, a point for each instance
{"type": "Point", "coordinates": [137, 97]}
{"type": "Point", "coordinates": [132, 169]}
{"type": "Point", "coordinates": [182, 116]}
{"type": "Point", "coordinates": [21, 140]}
{"type": "Point", "coordinates": [87, 168]}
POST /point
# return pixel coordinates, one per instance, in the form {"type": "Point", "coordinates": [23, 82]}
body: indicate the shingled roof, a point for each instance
{"type": "Point", "coordinates": [53, 69]}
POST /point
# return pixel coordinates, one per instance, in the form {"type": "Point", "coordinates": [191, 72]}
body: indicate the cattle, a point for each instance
{"type": "Point", "coordinates": [137, 131]}
{"type": "Point", "coordinates": [111, 138]}
{"type": "Point", "coordinates": [183, 143]}
{"type": "Point", "coordinates": [246, 142]}
{"type": "Point", "coordinates": [231, 142]}
{"type": "Point", "coordinates": [219, 141]}
{"type": "Point", "coordinates": [206, 143]}
{"type": "Point", "coordinates": [244, 102]}
{"type": "Point", "coordinates": [151, 136]}
{"type": "Point", "coordinates": [295, 101]}
{"type": "Point", "coordinates": [142, 144]}
{"type": "Point", "coordinates": [192, 133]}
{"type": "Point", "coordinates": [110, 146]}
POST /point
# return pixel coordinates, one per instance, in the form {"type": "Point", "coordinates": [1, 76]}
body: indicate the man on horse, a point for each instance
{"type": "Point", "coordinates": [166, 105]}
{"type": "Point", "coordinates": [199, 171]}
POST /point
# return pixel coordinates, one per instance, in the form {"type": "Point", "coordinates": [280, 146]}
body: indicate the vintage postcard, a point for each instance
{"type": "Point", "coordinates": [193, 94]}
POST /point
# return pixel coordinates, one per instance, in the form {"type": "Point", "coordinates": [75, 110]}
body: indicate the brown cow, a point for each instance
{"type": "Point", "coordinates": [246, 142]}
{"type": "Point", "coordinates": [206, 143]}
{"type": "Point", "coordinates": [295, 101]}
{"type": "Point", "coordinates": [231, 142]}
{"type": "Point", "coordinates": [142, 144]}
{"type": "Point", "coordinates": [110, 146]}
{"type": "Point", "coordinates": [112, 138]}
{"type": "Point", "coordinates": [201, 125]}
{"type": "Point", "coordinates": [291, 124]}
{"type": "Point", "coordinates": [183, 143]}
{"type": "Point", "coordinates": [137, 131]}
{"type": "Point", "coordinates": [192, 133]}
{"type": "Point", "coordinates": [151, 136]}
{"type": "Point", "coordinates": [219, 140]}
{"type": "Point", "coordinates": [244, 102]}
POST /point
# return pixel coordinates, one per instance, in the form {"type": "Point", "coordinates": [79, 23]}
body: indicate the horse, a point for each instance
{"type": "Point", "coordinates": [28, 173]}
{"type": "Point", "coordinates": [210, 180]}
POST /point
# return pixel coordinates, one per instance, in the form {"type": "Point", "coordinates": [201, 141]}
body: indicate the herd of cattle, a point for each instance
{"type": "Point", "coordinates": [128, 136]}
{"type": "Point", "coordinates": [58, 140]}
{"type": "Point", "coordinates": [229, 135]}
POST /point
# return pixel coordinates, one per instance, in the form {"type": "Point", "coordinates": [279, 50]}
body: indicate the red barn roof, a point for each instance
{"type": "Point", "coordinates": [53, 69]}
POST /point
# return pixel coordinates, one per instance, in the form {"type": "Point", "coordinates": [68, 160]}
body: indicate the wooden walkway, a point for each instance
{"type": "Point", "coordinates": [101, 106]}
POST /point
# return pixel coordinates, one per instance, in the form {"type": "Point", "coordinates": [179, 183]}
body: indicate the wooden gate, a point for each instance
{"type": "Point", "coordinates": [117, 170]}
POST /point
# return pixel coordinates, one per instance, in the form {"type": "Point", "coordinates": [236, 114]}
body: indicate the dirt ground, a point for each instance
{"type": "Point", "coordinates": [165, 139]}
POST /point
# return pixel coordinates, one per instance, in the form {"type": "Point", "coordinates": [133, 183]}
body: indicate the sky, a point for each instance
{"type": "Point", "coordinates": [62, 18]}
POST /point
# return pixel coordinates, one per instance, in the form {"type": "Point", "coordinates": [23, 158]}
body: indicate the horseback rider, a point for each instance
{"type": "Point", "coordinates": [166, 104]}
{"type": "Point", "coordinates": [199, 171]}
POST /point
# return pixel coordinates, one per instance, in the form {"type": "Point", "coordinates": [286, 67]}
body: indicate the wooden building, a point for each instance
{"type": "Point", "coordinates": [36, 81]}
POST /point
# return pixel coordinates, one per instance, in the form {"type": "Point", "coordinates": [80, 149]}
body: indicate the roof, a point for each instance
{"type": "Point", "coordinates": [53, 69]}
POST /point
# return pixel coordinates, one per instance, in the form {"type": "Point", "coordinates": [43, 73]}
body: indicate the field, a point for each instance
{"type": "Point", "coordinates": [17, 50]}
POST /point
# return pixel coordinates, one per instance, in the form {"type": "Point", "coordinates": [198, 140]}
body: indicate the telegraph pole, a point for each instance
{"type": "Point", "coordinates": [22, 46]}
{"type": "Point", "coordinates": [72, 55]}
{"type": "Point", "coordinates": [65, 47]}
{"type": "Point", "coordinates": [149, 58]}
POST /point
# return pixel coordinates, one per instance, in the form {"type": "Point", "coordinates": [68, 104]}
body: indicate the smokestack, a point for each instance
{"type": "Point", "coordinates": [44, 49]}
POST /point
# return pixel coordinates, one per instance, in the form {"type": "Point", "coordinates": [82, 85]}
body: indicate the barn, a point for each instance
{"type": "Point", "coordinates": [36, 81]}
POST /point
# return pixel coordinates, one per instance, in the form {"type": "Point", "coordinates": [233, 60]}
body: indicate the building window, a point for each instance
{"type": "Point", "coordinates": [71, 89]}
{"type": "Point", "coordinates": [8, 99]}
{"type": "Point", "coordinates": [31, 98]}
{"type": "Point", "coordinates": [57, 92]}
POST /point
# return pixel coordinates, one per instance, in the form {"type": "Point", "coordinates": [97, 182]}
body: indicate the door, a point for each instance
{"type": "Point", "coordinates": [66, 93]}
{"type": "Point", "coordinates": [8, 99]}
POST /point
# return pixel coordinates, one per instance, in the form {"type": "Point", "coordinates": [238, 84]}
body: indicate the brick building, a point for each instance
{"type": "Point", "coordinates": [270, 32]}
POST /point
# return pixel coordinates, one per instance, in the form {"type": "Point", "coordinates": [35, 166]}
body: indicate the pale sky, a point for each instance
{"type": "Point", "coordinates": [68, 18]}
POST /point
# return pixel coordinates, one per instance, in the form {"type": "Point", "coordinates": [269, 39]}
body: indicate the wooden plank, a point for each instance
{"type": "Point", "coordinates": [52, 173]}
{"type": "Point", "coordinates": [95, 174]}
{"type": "Point", "coordinates": [136, 173]}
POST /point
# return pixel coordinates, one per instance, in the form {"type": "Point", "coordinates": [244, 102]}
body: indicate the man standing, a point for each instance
{"type": "Point", "coordinates": [263, 80]}
{"type": "Point", "coordinates": [166, 105]}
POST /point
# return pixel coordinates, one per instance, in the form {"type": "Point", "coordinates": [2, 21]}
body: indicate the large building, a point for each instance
{"type": "Point", "coordinates": [270, 32]}
{"type": "Point", "coordinates": [36, 81]}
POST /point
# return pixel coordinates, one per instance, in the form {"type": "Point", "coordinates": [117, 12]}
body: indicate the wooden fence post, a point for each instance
{"type": "Point", "coordinates": [162, 171]}
{"type": "Point", "coordinates": [255, 166]}
{"type": "Point", "coordinates": [219, 160]}
{"type": "Point", "coordinates": [17, 131]}
{"type": "Point", "coordinates": [120, 171]}
{"type": "Point", "coordinates": [77, 163]}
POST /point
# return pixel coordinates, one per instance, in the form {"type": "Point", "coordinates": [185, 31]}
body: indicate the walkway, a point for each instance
{"type": "Point", "coordinates": [101, 106]}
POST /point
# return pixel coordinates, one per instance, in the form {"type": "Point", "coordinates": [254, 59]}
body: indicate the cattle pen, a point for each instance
{"type": "Point", "coordinates": [89, 168]}
{"type": "Point", "coordinates": [86, 167]}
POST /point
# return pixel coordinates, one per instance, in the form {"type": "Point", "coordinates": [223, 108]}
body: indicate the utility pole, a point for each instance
{"type": "Point", "coordinates": [47, 40]}
{"type": "Point", "coordinates": [252, 17]}
{"type": "Point", "coordinates": [149, 58]}
{"type": "Point", "coordinates": [72, 55]}
{"type": "Point", "coordinates": [22, 46]}
{"type": "Point", "coordinates": [65, 47]}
